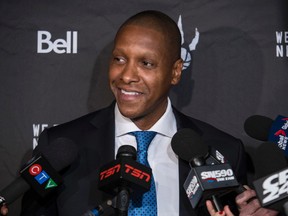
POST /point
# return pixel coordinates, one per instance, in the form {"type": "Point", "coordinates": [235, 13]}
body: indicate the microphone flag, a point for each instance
{"type": "Point", "coordinates": [279, 133]}
{"type": "Point", "coordinates": [205, 181]}
{"type": "Point", "coordinates": [40, 175]}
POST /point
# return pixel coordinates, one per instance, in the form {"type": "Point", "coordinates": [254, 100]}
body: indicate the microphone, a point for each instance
{"type": "Point", "coordinates": [265, 129]}
{"type": "Point", "coordinates": [120, 178]}
{"type": "Point", "coordinates": [188, 145]}
{"type": "Point", "coordinates": [125, 171]}
{"type": "Point", "coordinates": [40, 172]}
{"type": "Point", "coordinates": [204, 181]}
{"type": "Point", "coordinates": [270, 169]}
{"type": "Point", "coordinates": [271, 185]}
{"type": "Point", "coordinates": [258, 127]}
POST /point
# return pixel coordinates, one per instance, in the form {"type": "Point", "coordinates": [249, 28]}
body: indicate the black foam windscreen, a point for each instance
{"type": "Point", "coordinates": [188, 144]}
{"type": "Point", "coordinates": [258, 127]}
{"type": "Point", "coordinates": [60, 153]}
{"type": "Point", "coordinates": [126, 151]}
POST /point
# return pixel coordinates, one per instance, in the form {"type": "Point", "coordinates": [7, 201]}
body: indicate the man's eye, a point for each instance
{"type": "Point", "coordinates": [148, 64]}
{"type": "Point", "coordinates": [119, 60]}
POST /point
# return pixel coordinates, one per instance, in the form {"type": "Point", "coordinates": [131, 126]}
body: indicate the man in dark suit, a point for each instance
{"type": "Point", "coordinates": [95, 135]}
{"type": "Point", "coordinates": [145, 63]}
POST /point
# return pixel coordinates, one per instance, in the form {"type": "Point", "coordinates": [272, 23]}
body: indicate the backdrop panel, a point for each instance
{"type": "Point", "coordinates": [54, 60]}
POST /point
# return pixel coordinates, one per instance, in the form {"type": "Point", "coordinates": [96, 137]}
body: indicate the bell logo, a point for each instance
{"type": "Point", "coordinates": [59, 46]}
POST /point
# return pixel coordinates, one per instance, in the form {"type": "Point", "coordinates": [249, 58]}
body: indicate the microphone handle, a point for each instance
{"type": "Point", "coordinates": [217, 203]}
{"type": "Point", "coordinates": [14, 190]}
{"type": "Point", "coordinates": [122, 202]}
{"type": "Point", "coordinates": [100, 209]}
{"type": "Point", "coordinates": [240, 189]}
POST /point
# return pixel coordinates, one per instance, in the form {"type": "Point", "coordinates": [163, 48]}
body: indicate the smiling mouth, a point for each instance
{"type": "Point", "coordinates": [132, 93]}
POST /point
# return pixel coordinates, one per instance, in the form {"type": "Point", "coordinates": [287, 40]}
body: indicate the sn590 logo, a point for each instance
{"type": "Point", "coordinates": [275, 186]}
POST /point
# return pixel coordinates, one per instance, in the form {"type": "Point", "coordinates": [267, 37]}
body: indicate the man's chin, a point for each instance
{"type": "Point", "coordinates": [129, 113]}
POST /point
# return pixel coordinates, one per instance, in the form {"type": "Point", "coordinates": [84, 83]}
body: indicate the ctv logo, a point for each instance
{"type": "Point", "coordinates": [59, 46]}
{"type": "Point", "coordinates": [41, 176]}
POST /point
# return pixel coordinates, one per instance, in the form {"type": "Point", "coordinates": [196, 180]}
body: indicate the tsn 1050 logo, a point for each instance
{"type": "Point", "coordinates": [67, 45]}
{"type": "Point", "coordinates": [275, 186]}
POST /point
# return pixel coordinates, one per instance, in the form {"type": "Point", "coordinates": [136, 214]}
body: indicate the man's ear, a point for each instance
{"type": "Point", "coordinates": [177, 71]}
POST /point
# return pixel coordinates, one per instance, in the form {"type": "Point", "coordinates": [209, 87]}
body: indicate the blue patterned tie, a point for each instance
{"type": "Point", "coordinates": [146, 204]}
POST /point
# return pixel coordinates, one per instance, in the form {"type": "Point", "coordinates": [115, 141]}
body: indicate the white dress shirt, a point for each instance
{"type": "Point", "coordinates": [162, 159]}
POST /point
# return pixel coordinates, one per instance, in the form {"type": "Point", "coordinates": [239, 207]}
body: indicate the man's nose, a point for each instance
{"type": "Point", "coordinates": [130, 72]}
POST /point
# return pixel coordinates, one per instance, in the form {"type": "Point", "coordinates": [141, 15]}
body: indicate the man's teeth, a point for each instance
{"type": "Point", "coordinates": [129, 93]}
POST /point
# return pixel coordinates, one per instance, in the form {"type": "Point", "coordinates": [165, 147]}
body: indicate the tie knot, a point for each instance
{"type": "Point", "coordinates": [143, 139]}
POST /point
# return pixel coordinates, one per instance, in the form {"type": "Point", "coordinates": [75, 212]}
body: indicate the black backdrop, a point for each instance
{"type": "Point", "coordinates": [54, 58]}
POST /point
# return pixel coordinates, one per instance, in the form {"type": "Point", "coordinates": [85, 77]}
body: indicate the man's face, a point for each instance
{"type": "Point", "coordinates": [141, 74]}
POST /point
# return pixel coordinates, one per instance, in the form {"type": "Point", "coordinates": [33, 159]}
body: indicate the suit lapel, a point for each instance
{"type": "Point", "coordinates": [184, 168]}
{"type": "Point", "coordinates": [104, 134]}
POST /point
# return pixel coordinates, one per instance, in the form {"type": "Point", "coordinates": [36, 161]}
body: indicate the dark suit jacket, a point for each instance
{"type": "Point", "coordinates": [94, 135]}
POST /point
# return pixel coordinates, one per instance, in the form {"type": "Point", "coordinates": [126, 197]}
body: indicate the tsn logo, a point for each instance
{"type": "Point", "coordinates": [59, 46]}
{"type": "Point", "coordinates": [128, 169]}
{"type": "Point", "coordinates": [275, 186]}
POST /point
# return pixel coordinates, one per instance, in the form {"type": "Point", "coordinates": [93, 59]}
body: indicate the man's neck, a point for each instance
{"type": "Point", "coordinates": [147, 121]}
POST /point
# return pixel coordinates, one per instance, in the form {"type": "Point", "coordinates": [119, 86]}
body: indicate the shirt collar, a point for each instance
{"type": "Point", "coordinates": [165, 125]}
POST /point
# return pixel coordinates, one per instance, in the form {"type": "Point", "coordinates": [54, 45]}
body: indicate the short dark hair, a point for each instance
{"type": "Point", "coordinates": [161, 22]}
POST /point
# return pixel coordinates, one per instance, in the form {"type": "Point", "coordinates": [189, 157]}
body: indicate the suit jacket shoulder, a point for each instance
{"type": "Point", "coordinates": [93, 135]}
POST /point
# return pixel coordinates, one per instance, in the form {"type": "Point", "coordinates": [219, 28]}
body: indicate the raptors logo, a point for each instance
{"type": "Point", "coordinates": [187, 49]}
